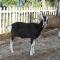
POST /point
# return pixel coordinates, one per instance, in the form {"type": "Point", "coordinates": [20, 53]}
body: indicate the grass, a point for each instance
{"type": "Point", "coordinates": [5, 36]}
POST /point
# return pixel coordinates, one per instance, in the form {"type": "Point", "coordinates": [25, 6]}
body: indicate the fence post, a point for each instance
{"type": "Point", "coordinates": [13, 15]}
{"type": "Point", "coordinates": [0, 20]}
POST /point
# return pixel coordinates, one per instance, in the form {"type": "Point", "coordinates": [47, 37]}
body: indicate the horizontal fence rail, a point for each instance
{"type": "Point", "coordinates": [20, 14]}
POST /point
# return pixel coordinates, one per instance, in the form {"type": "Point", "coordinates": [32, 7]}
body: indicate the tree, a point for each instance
{"type": "Point", "coordinates": [9, 2]}
{"type": "Point", "coordinates": [50, 2]}
{"type": "Point", "coordinates": [34, 3]}
{"type": "Point", "coordinates": [58, 7]}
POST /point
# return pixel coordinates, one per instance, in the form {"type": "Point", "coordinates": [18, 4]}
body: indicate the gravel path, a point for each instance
{"type": "Point", "coordinates": [47, 48]}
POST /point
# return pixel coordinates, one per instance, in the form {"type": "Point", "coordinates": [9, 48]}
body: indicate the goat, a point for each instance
{"type": "Point", "coordinates": [28, 30]}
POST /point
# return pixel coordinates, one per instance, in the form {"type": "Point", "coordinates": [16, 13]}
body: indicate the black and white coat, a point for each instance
{"type": "Point", "coordinates": [28, 30]}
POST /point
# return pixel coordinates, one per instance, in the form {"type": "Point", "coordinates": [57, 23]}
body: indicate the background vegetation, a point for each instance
{"type": "Point", "coordinates": [35, 3]}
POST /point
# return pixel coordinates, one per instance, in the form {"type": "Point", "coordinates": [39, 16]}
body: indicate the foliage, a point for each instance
{"type": "Point", "coordinates": [50, 2]}
{"type": "Point", "coordinates": [35, 3]}
{"type": "Point", "coordinates": [9, 2]}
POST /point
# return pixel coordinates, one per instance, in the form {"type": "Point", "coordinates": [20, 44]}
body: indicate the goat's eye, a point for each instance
{"type": "Point", "coordinates": [47, 21]}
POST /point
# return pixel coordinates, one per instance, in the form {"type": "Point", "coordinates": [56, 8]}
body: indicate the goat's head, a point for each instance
{"type": "Point", "coordinates": [45, 20]}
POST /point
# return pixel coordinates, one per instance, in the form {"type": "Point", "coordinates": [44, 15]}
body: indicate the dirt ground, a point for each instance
{"type": "Point", "coordinates": [47, 47]}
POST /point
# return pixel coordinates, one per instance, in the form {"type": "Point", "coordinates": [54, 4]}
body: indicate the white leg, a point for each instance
{"type": "Point", "coordinates": [32, 51]}
{"type": "Point", "coordinates": [11, 46]}
{"type": "Point", "coordinates": [58, 33]}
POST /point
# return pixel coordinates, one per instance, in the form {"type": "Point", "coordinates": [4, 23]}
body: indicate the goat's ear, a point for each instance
{"type": "Point", "coordinates": [47, 18]}
{"type": "Point", "coordinates": [42, 17]}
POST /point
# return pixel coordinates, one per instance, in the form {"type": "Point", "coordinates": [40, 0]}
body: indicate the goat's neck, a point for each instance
{"type": "Point", "coordinates": [41, 23]}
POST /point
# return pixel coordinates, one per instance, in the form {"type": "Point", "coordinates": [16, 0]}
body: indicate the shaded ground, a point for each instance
{"type": "Point", "coordinates": [47, 48]}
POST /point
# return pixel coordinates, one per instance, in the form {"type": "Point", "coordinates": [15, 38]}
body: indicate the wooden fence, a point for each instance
{"type": "Point", "coordinates": [54, 22]}
{"type": "Point", "coordinates": [20, 14]}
